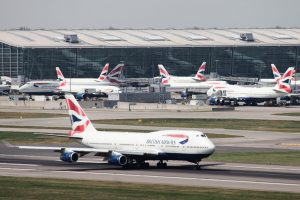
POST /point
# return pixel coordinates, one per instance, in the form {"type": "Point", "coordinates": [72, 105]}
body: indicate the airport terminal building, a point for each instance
{"type": "Point", "coordinates": [34, 54]}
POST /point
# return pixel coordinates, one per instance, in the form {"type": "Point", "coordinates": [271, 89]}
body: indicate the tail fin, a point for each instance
{"type": "Point", "coordinates": [59, 74]}
{"type": "Point", "coordinates": [200, 74]}
{"type": "Point", "coordinates": [284, 83]}
{"type": "Point", "coordinates": [81, 125]}
{"type": "Point", "coordinates": [114, 75]}
{"type": "Point", "coordinates": [104, 72]}
{"type": "Point", "coordinates": [276, 73]}
{"type": "Point", "coordinates": [164, 75]}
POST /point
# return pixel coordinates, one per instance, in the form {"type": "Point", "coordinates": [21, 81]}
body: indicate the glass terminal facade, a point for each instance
{"type": "Point", "coordinates": [250, 61]}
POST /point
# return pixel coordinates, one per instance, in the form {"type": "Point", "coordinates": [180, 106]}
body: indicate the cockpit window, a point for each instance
{"type": "Point", "coordinates": [203, 135]}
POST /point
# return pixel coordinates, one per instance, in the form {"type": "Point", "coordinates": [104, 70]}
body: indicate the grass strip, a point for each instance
{"type": "Point", "coordinates": [34, 188]}
{"type": "Point", "coordinates": [235, 124]}
{"type": "Point", "coordinates": [289, 158]}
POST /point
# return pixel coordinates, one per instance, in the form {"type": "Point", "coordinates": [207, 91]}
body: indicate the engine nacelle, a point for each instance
{"type": "Point", "coordinates": [80, 96]}
{"type": "Point", "coordinates": [69, 156]}
{"type": "Point", "coordinates": [117, 159]}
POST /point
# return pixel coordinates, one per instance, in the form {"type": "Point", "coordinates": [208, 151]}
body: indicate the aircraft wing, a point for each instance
{"type": "Point", "coordinates": [94, 150]}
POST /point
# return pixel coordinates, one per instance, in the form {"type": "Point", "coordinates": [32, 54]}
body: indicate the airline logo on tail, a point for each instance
{"type": "Point", "coordinates": [164, 75]}
{"type": "Point", "coordinates": [284, 83]}
{"type": "Point", "coordinates": [60, 76]}
{"type": "Point", "coordinates": [276, 73]}
{"type": "Point", "coordinates": [113, 76]}
{"type": "Point", "coordinates": [200, 74]}
{"type": "Point", "coordinates": [78, 118]}
{"type": "Point", "coordinates": [104, 72]}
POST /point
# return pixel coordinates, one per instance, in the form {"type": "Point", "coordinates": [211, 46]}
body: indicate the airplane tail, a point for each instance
{"type": "Point", "coordinates": [276, 73]}
{"type": "Point", "coordinates": [114, 75]}
{"type": "Point", "coordinates": [59, 74]}
{"type": "Point", "coordinates": [200, 74]}
{"type": "Point", "coordinates": [81, 125]}
{"type": "Point", "coordinates": [164, 75]}
{"type": "Point", "coordinates": [104, 72]}
{"type": "Point", "coordinates": [61, 78]}
{"type": "Point", "coordinates": [284, 83]}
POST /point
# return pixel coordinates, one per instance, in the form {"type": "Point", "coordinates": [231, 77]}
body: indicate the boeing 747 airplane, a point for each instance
{"type": "Point", "coordinates": [129, 149]}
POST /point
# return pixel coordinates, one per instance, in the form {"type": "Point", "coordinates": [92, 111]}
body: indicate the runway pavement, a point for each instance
{"type": "Point", "coordinates": [241, 176]}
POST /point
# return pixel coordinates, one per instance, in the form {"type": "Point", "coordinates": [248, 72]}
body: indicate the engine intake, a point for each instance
{"type": "Point", "coordinates": [69, 156]}
{"type": "Point", "coordinates": [117, 159]}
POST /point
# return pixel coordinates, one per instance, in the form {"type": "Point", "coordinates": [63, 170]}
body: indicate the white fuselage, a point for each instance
{"type": "Point", "coordinates": [89, 89]}
{"type": "Point", "coordinates": [189, 145]}
{"type": "Point", "coordinates": [39, 87]}
{"type": "Point", "coordinates": [87, 81]}
{"type": "Point", "coordinates": [202, 86]}
{"type": "Point", "coordinates": [236, 91]}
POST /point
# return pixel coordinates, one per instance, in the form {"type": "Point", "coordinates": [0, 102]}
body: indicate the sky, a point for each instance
{"type": "Point", "coordinates": [141, 14]}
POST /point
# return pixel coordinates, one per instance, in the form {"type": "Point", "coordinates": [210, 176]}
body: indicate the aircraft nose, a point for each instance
{"type": "Point", "coordinates": [211, 148]}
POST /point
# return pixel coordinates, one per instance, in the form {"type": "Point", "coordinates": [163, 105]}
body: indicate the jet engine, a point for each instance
{"type": "Point", "coordinates": [117, 159]}
{"type": "Point", "coordinates": [69, 156]}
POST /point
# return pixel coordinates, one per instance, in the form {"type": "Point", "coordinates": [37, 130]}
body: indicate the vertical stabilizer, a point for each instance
{"type": "Point", "coordinates": [200, 74]}
{"type": "Point", "coordinates": [81, 125]}
{"type": "Point", "coordinates": [104, 72]}
{"type": "Point", "coordinates": [284, 83]}
{"type": "Point", "coordinates": [165, 77]}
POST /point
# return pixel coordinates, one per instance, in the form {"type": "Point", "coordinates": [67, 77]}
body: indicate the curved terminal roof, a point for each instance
{"type": "Point", "coordinates": [149, 38]}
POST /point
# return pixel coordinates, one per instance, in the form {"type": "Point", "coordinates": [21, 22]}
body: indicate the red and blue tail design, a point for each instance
{"type": "Point", "coordinates": [104, 72]}
{"type": "Point", "coordinates": [114, 75]}
{"type": "Point", "coordinates": [276, 73]}
{"type": "Point", "coordinates": [59, 74]}
{"type": "Point", "coordinates": [79, 121]}
{"type": "Point", "coordinates": [200, 74]}
{"type": "Point", "coordinates": [165, 77]}
{"type": "Point", "coordinates": [284, 83]}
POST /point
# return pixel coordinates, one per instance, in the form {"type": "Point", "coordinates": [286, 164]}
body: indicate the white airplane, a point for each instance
{"type": "Point", "coordinates": [128, 149]}
{"type": "Point", "coordinates": [251, 95]}
{"type": "Point", "coordinates": [199, 76]}
{"type": "Point", "coordinates": [104, 79]}
{"type": "Point", "coordinates": [81, 91]}
{"type": "Point", "coordinates": [51, 87]}
{"type": "Point", "coordinates": [40, 88]}
{"type": "Point", "coordinates": [174, 85]}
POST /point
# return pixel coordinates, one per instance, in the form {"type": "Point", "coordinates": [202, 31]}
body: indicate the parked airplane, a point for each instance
{"type": "Point", "coordinates": [61, 86]}
{"type": "Point", "coordinates": [40, 88]}
{"type": "Point", "coordinates": [179, 86]}
{"type": "Point", "coordinates": [83, 88]}
{"type": "Point", "coordinates": [130, 149]}
{"type": "Point", "coordinates": [104, 79]}
{"type": "Point", "coordinates": [199, 76]}
{"type": "Point", "coordinates": [251, 95]}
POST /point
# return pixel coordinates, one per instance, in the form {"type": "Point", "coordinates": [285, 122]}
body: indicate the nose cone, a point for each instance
{"type": "Point", "coordinates": [211, 147]}
{"type": "Point", "coordinates": [23, 88]}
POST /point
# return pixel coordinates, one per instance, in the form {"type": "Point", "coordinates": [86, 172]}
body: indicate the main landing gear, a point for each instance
{"type": "Point", "coordinates": [161, 164]}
